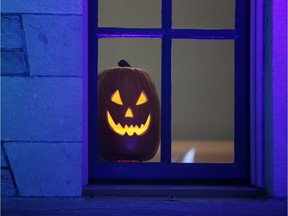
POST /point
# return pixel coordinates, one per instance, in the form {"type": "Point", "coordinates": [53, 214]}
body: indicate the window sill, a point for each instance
{"type": "Point", "coordinates": [172, 190]}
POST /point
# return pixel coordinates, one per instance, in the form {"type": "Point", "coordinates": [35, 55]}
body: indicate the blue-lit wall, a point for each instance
{"type": "Point", "coordinates": [275, 79]}
{"type": "Point", "coordinates": [41, 88]}
{"type": "Point", "coordinates": [41, 104]}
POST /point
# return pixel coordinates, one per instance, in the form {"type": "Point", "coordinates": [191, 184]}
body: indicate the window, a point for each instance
{"type": "Point", "coordinates": [215, 50]}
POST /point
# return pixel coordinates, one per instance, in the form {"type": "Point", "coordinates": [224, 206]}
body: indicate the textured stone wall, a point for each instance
{"type": "Point", "coordinates": [41, 97]}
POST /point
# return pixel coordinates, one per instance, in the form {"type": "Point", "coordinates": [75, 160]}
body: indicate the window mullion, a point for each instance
{"type": "Point", "coordinates": [166, 82]}
{"type": "Point", "coordinates": [166, 101]}
{"type": "Point", "coordinates": [223, 34]}
{"type": "Point", "coordinates": [111, 32]}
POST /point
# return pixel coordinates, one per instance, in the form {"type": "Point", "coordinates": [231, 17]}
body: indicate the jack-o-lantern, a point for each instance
{"type": "Point", "coordinates": [128, 114]}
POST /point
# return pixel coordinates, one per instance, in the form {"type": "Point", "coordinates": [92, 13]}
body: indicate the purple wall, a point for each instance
{"type": "Point", "coordinates": [279, 82]}
{"type": "Point", "coordinates": [276, 97]}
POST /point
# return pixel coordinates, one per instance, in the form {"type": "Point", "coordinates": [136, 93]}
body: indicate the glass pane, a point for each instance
{"type": "Point", "coordinates": [203, 101]}
{"type": "Point", "coordinates": [129, 122]}
{"type": "Point", "coordinates": [130, 13]}
{"type": "Point", "coordinates": [203, 14]}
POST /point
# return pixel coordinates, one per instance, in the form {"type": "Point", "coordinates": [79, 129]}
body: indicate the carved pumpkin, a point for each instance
{"type": "Point", "coordinates": [128, 114]}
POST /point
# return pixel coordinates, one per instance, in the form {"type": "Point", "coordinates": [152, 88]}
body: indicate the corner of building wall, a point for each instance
{"type": "Point", "coordinates": [275, 104]}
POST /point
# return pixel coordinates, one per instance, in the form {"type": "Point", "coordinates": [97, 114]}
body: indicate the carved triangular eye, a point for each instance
{"type": "Point", "coordinates": [142, 99]}
{"type": "Point", "coordinates": [116, 98]}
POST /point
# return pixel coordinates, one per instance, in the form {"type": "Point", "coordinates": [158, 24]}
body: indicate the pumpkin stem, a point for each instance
{"type": "Point", "coordinates": [123, 63]}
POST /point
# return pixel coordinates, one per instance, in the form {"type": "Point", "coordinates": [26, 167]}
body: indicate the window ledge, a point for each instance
{"type": "Point", "coordinates": [172, 190]}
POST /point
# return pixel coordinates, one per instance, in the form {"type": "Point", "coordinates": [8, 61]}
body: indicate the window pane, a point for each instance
{"type": "Point", "coordinates": [203, 101]}
{"type": "Point", "coordinates": [134, 102]}
{"type": "Point", "coordinates": [203, 14]}
{"type": "Point", "coordinates": [130, 13]}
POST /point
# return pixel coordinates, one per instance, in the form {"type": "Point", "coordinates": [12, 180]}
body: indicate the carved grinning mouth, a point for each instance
{"type": "Point", "coordinates": [130, 130]}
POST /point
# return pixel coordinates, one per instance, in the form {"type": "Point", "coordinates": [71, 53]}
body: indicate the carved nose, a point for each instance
{"type": "Point", "coordinates": [129, 113]}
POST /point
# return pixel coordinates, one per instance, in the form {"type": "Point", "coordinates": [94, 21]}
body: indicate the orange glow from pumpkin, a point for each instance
{"type": "Point", "coordinates": [129, 113]}
{"type": "Point", "coordinates": [142, 99]}
{"type": "Point", "coordinates": [116, 98]}
{"type": "Point", "coordinates": [130, 130]}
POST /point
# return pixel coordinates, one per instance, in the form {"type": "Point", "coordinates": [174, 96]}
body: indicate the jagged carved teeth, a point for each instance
{"type": "Point", "coordinates": [130, 130]}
